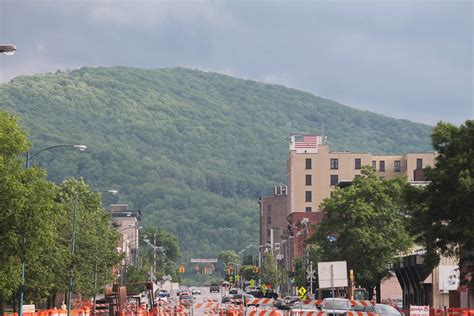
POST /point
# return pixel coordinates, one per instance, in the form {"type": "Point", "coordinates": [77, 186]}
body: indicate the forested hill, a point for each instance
{"type": "Point", "coordinates": [193, 150]}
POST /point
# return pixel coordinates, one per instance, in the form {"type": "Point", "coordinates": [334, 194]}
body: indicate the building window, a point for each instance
{"type": "Point", "coordinates": [397, 166]}
{"type": "Point", "coordinates": [308, 196]}
{"type": "Point", "coordinates": [334, 163]}
{"type": "Point", "coordinates": [269, 209]}
{"type": "Point", "coordinates": [269, 234]}
{"type": "Point", "coordinates": [357, 163]}
{"type": "Point", "coordinates": [419, 163]}
{"type": "Point", "coordinates": [308, 209]}
{"type": "Point", "coordinates": [382, 165]}
{"type": "Point", "coordinates": [269, 220]}
{"type": "Point", "coordinates": [308, 163]}
{"type": "Point", "coordinates": [374, 164]}
{"type": "Point", "coordinates": [308, 179]}
{"type": "Point", "coordinates": [334, 179]}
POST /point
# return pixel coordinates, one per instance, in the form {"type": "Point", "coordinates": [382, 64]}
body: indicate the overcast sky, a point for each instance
{"type": "Point", "coordinates": [405, 59]}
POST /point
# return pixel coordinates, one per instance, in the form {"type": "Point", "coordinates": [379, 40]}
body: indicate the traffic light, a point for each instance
{"type": "Point", "coordinates": [181, 268]}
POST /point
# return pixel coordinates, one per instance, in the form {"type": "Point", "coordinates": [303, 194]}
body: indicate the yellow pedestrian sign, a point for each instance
{"type": "Point", "coordinates": [252, 283]}
{"type": "Point", "coordinates": [264, 289]}
{"type": "Point", "coordinates": [302, 291]}
{"type": "Point", "coordinates": [231, 279]}
{"type": "Point", "coordinates": [237, 278]}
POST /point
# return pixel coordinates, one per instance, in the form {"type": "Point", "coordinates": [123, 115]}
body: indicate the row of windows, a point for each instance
{"type": "Point", "coordinates": [334, 164]}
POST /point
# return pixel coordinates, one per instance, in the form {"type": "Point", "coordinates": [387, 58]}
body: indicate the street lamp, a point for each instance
{"type": "Point", "coordinates": [7, 49]}
{"type": "Point", "coordinates": [29, 157]}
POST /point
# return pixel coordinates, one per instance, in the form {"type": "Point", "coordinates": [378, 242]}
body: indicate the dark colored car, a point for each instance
{"type": "Point", "coordinates": [214, 288]}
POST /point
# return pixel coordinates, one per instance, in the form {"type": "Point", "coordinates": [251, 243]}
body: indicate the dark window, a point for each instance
{"type": "Point", "coordinates": [308, 163]}
{"type": "Point", "coordinates": [334, 179]}
{"type": "Point", "coordinates": [382, 165]}
{"type": "Point", "coordinates": [308, 196]}
{"type": "Point", "coordinates": [357, 163]}
{"type": "Point", "coordinates": [374, 164]}
{"type": "Point", "coordinates": [269, 234]}
{"type": "Point", "coordinates": [308, 209]}
{"type": "Point", "coordinates": [269, 220]}
{"type": "Point", "coordinates": [419, 163]}
{"type": "Point", "coordinates": [396, 166]}
{"type": "Point", "coordinates": [269, 209]}
{"type": "Point", "coordinates": [357, 175]}
{"type": "Point", "coordinates": [308, 179]}
{"type": "Point", "coordinates": [334, 163]}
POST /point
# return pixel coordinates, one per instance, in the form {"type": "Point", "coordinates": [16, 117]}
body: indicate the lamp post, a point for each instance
{"type": "Point", "coordinates": [7, 49]}
{"type": "Point", "coordinates": [29, 157]}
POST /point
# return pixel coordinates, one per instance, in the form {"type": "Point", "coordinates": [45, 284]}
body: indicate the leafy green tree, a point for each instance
{"type": "Point", "coordinates": [26, 210]}
{"type": "Point", "coordinates": [269, 273]}
{"type": "Point", "coordinates": [365, 225]}
{"type": "Point", "coordinates": [443, 217]}
{"type": "Point", "coordinates": [167, 251]}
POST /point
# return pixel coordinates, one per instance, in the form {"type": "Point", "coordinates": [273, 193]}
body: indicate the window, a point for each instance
{"type": "Point", "coordinates": [374, 164]}
{"type": "Point", "coordinates": [334, 179]}
{"type": "Point", "coordinates": [397, 166]}
{"type": "Point", "coordinates": [269, 233]}
{"type": "Point", "coordinates": [269, 209]}
{"type": "Point", "coordinates": [334, 163]}
{"type": "Point", "coordinates": [357, 163]}
{"type": "Point", "coordinates": [308, 179]}
{"type": "Point", "coordinates": [419, 163]}
{"type": "Point", "coordinates": [269, 220]}
{"type": "Point", "coordinates": [308, 209]}
{"type": "Point", "coordinates": [308, 196]}
{"type": "Point", "coordinates": [382, 165]}
{"type": "Point", "coordinates": [308, 163]}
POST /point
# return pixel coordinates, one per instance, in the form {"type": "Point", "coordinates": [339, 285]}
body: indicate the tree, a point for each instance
{"type": "Point", "coordinates": [443, 216]}
{"type": "Point", "coordinates": [269, 273]}
{"type": "Point", "coordinates": [365, 226]}
{"type": "Point", "coordinates": [26, 210]}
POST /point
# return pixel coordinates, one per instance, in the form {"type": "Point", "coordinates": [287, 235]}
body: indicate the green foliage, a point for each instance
{"type": "Point", "coordinates": [269, 273]}
{"type": "Point", "coordinates": [443, 217]}
{"type": "Point", "coordinates": [192, 150]}
{"type": "Point", "coordinates": [369, 223]}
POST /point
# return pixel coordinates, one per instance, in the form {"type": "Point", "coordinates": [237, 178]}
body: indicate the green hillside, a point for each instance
{"type": "Point", "coordinates": [193, 150]}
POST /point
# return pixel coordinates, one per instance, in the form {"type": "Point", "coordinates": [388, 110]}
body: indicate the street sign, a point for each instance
{"type": "Point", "coordinates": [302, 293]}
{"type": "Point", "coordinates": [231, 279]}
{"type": "Point", "coordinates": [332, 274]}
{"type": "Point", "coordinates": [264, 289]}
{"type": "Point", "coordinates": [252, 283]}
{"type": "Point", "coordinates": [237, 278]}
{"type": "Point", "coordinates": [310, 274]}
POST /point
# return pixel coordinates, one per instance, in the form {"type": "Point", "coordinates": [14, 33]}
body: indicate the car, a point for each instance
{"type": "Point", "coordinates": [336, 306]}
{"type": "Point", "coordinates": [214, 288]}
{"type": "Point", "coordinates": [163, 293]}
{"type": "Point", "coordinates": [301, 307]}
{"type": "Point", "coordinates": [195, 291]}
{"type": "Point", "coordinates": [226, 299]}
{"type": "Point", "coordinates": [233, 291]}
{"type": "Point", "coordinates": [288, 301]}
{"type": "Point", "coordinates": [278, 303]}
{"type": "Point", "coordinates": [244, 298]}
{"type": "Point", "coordinates": [381, 309]}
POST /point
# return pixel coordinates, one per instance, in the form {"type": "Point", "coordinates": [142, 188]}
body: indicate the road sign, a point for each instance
{"type": "Point", "coordinates": [302, 293]}
{"type": "Point", "coordinates": [332, 274]}
{"type": "Point", "coordinates": [231, 279]}
{"type": "Point", "coordinates": [252, 283]}
{"type": "Point", "coordinates": [264, 289]}
{"type": "Point", "coordinates": [310, 274]}
{"type": "Point", "coordinates": [237, 278]}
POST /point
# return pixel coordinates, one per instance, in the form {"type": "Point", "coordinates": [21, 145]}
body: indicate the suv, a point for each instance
{"type": "Point", "coordinates": [214, 288]}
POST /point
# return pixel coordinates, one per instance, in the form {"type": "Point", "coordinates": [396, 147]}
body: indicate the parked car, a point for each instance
{"type": "Point", "coordinates": [288, 301]}
{"type": "Point", "coordinates": [301, 307]}
{"type": "Point", "coordinates": [336, 306]}
{"type": "Point", "coordinates": [163, 293]}
{"type": "Point", "coordinates": [233, 291]}
{"type": "Point", "coordinates": [214, 288]}
{"type": "Point", "coordinates": [381, 309]}
{"type": "Point", "coordinates": [239, 299]}
{"type": "Point", "coordinates": [226, 299]}
{"type": "Point", "coordinates": [195, 291]}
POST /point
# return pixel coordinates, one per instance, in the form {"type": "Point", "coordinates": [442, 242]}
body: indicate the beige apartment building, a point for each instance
{"type": "Point", "coordinates": [313, 171]}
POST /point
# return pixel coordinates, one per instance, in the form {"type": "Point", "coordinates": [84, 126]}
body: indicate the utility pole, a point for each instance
{"type": "Point", "coordinates": [154, 258]}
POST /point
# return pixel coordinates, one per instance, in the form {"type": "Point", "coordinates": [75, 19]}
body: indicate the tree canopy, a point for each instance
{"type": "Point", "coordinates": [443, 217]}
{"type": "Point", "coordinates": [365, 225]}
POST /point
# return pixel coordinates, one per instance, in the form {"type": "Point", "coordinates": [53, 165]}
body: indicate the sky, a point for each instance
{"type": "Point", "coordinates": [405, 59]}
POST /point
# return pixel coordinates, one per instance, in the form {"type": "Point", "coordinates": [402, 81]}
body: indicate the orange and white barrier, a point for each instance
{"type": "Point", "coordinates": [362, 303]}
{"type": "Point", "coordinates": [307, 313]}
{"type": "Point", "coordinates": [351, 313]}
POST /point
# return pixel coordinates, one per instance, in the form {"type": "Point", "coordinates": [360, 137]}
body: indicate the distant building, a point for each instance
{"type": "Point", "coordinates": [273, 214]}
{"type": "Point", "coordinates": [126, 222]}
